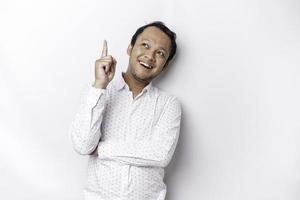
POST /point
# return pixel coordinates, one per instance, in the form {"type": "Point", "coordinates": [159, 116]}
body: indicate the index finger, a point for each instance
{"type": "Point", "coordinates": [104, 49]}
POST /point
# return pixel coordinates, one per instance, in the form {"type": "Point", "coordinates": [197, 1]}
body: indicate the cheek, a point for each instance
{"type": "Point", "coordinates": [139, 51]}
{"type": "Point", "coordinates": [161, 61]}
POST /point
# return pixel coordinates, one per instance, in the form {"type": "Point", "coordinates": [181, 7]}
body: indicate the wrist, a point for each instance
{"type": "Point", "coordinates": [99, 85]}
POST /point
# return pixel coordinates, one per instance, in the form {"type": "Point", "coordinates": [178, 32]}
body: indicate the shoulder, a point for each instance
{"type": "Point", "coordinates": [166, 98]}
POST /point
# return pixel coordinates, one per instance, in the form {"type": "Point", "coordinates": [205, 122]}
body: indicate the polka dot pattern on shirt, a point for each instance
{"type": "Point", "coordinates": [133, 140]}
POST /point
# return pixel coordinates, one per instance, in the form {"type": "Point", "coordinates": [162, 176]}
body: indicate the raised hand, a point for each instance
{"type": "Point", "coordinates": [105, 68]}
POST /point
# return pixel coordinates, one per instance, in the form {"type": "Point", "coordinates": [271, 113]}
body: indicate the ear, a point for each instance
{"type": "Point", "coordinates": [129, 49]}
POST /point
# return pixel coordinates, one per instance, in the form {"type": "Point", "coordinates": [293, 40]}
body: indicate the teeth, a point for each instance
{"type": "Point", "coordinates": [146, 65]}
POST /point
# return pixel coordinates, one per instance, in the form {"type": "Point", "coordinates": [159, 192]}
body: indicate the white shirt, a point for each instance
{"type": "Point", "coordinates": [136, 138]}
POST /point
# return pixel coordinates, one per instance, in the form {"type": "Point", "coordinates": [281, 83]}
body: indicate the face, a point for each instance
{"type": "Point", "coordinates": [149, 54]}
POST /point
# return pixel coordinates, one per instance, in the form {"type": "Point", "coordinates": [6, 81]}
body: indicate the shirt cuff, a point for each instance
{"type": "Point", "coordinates": [94, 94]}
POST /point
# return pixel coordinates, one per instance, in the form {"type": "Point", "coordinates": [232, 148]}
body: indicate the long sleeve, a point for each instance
{"type": "Point", "coordinates": [85, 129]}
{"type": "Point", "coordinates": [155, 151]}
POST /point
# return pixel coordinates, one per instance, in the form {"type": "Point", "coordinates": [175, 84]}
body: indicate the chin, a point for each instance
{"type": "Point", "coordinates": [142, 78]}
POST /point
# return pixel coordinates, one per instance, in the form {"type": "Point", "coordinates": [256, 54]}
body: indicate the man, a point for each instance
{"type": "Point", "coordinates": [129, 127]}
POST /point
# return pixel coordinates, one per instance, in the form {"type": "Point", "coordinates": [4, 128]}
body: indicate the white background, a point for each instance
{"type": "Point", "coordinates": [236, 74]}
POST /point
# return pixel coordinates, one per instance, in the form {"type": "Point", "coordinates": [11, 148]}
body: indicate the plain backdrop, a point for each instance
{"type": "Point", "coordinates": [236, 74]}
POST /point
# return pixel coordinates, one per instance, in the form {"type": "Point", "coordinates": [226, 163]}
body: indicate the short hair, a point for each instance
{"type": "Point", "coordinates": [160, 25]}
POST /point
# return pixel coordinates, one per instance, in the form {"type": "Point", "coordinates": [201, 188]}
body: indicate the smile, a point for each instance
{"type": "Point", "coordinates": [146, 65]}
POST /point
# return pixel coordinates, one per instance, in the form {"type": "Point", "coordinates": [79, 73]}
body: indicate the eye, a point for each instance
{"type": "Point", "coordinates": [161, 53]}
{"type": "Point", "coordinates": [145, 45]}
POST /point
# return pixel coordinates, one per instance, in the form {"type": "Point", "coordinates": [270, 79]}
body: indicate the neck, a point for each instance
{"type": "Point", "coordinates": [134, 85]}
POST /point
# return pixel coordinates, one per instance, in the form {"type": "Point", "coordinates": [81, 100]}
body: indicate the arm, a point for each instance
{"type": "Point", "coordinates": [156, 151]}
{"type": "Point", "coordinates": [85, 128]}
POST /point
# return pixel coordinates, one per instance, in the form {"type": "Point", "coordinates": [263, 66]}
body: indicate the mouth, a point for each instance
{"type": "Point", "coordinates": [146, 65]}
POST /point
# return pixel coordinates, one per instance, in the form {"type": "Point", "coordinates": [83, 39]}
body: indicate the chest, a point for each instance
{"type": "Point", "coordinates": [126, 118]}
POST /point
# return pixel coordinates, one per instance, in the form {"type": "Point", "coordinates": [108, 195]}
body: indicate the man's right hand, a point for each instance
{"type": "Point", "coordinates": [105, 68]}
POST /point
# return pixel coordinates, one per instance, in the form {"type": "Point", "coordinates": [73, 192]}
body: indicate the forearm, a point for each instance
{"type": "Point", "coordinates": [85, 129]}
{"type": "Point", "coordinates": [155, 150]}
{"type": "Point", "coordinates": [148, 153]}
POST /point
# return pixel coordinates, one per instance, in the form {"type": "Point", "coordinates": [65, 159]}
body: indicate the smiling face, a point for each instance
{"type": "Point", "coordinates": [149, 55]}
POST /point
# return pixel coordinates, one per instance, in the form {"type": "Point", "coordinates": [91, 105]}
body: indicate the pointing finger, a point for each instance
{"type": "Point", "coordinates": [104, 49]}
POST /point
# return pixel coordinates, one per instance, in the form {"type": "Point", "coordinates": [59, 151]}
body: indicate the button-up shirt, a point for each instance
{"type": "Point", "coordinates": [134, 137]}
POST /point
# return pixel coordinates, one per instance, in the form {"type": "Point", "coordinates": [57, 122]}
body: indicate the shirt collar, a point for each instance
{"type": "Point", "coordinates": [120, 84]}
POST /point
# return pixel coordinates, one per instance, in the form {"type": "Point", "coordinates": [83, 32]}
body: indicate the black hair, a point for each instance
{"type": "Point", "coordinates": [162, 27]}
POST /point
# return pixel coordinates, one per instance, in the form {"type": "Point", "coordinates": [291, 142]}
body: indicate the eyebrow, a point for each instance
{"type": "Point", "coordinates": [159, 47]}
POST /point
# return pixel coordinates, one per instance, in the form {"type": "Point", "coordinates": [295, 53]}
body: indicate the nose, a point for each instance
{"type": "Point", "coordinates": [150, 56]}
